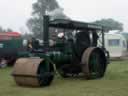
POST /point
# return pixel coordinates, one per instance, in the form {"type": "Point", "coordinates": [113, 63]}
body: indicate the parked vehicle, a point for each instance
{"type": "Point", "coordinates": [116, 44]}
{"type": "Point", "coordinates": [10, 44]}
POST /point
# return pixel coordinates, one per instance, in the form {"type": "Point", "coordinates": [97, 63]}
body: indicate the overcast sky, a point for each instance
{"type": "Point", "coordinates": [14, 13]}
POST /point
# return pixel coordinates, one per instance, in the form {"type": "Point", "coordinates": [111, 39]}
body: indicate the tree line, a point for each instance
{"type": "Point", "coordinates": [5, 30]}
{"type": "Point", "coordinates": [42, 7]}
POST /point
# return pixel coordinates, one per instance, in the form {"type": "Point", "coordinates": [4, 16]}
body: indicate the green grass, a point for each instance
{"type": "Point", "coordinates": [115, 83]}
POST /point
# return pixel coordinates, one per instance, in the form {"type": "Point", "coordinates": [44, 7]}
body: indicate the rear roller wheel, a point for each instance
{"type": "Point", "coordinates": [94, 63]}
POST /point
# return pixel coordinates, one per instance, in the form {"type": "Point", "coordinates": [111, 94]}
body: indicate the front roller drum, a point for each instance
{"type": "Point", "coordinates": [94, 63]}
{"type": "Point", "coordinates": [33, 72]}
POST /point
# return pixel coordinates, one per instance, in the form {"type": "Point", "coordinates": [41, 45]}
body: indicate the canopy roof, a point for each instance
{"type": "Point", "coordinates": [69, 24]}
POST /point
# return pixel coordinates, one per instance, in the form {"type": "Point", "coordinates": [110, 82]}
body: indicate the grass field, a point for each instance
{"type": "Point", "coordinates": [115, 83]}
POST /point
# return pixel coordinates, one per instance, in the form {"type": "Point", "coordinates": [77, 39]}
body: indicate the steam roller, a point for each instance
{"type": "Point", "coordinates": [74, 53]}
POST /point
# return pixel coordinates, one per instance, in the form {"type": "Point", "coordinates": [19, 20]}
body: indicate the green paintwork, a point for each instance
{"type": "Point", "coordinates": [13, 43]}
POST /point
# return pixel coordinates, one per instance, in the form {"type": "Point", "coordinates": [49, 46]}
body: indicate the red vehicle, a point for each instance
{"type": "Point", "coordinates": [9, 43]}
{"type": "Point", "coordinates": [9, 35]}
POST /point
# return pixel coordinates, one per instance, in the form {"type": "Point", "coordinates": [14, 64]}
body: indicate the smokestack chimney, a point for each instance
{"type": "Point", "coordinates": [46, 30]}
